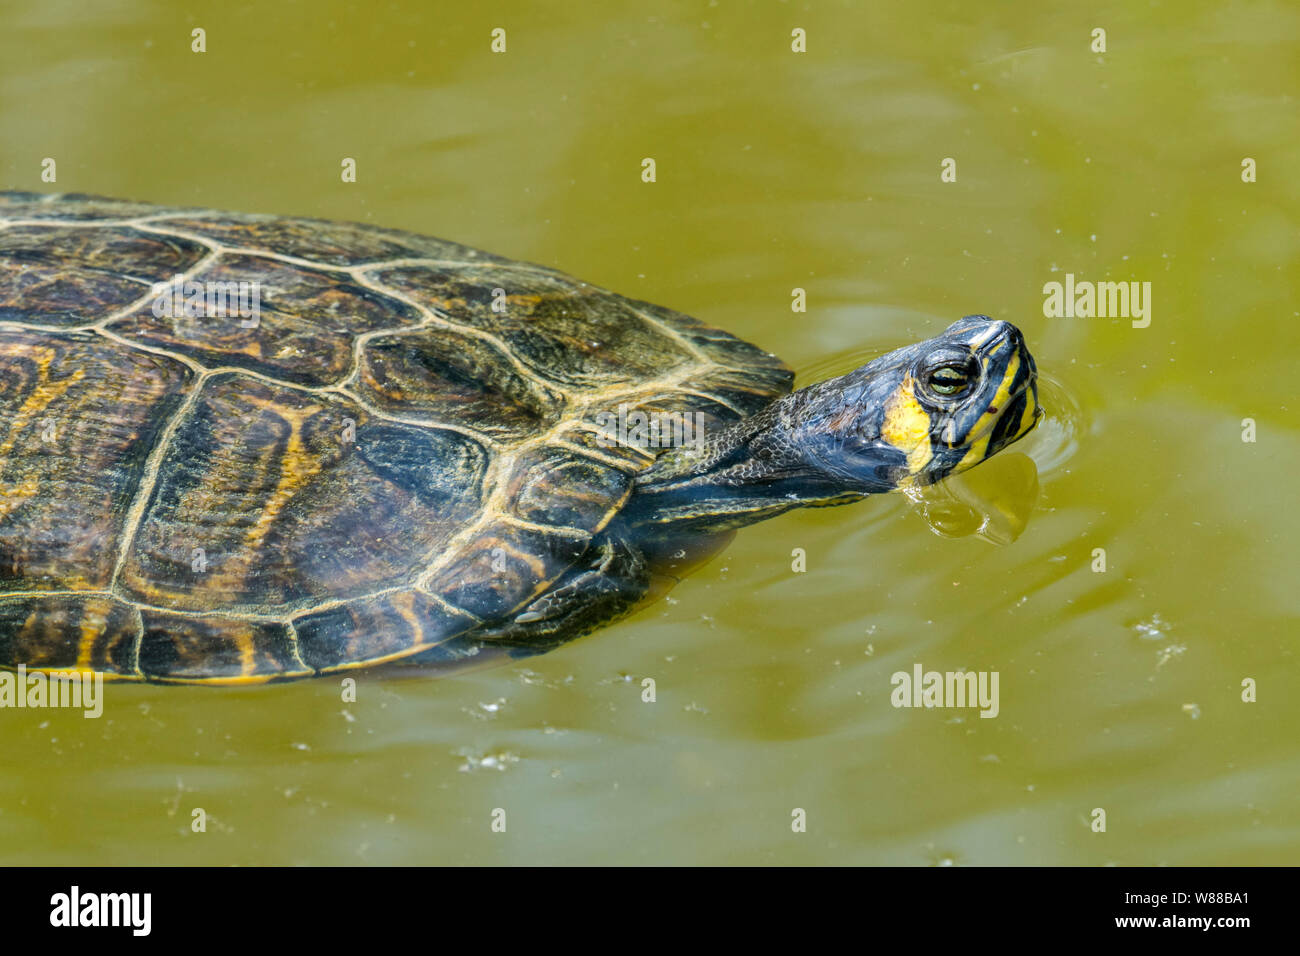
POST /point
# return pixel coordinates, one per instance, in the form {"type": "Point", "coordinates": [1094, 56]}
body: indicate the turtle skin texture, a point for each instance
{"type": "Point", "coordinates": [387, 449]}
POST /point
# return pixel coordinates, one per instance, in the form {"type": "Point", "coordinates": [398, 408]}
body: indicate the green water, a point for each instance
{"type": "Point", "coordinates": [1119, 689]}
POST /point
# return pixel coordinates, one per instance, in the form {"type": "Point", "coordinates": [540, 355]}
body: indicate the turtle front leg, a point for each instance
{"type": "Point", "coordinates": [606, 584]}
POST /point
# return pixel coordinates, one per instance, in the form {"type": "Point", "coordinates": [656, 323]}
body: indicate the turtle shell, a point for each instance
{"type": "Point", "coordinates": [393, 446]}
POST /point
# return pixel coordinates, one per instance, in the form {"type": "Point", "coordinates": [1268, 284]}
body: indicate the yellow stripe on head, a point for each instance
{"type": "Point", "coordinates": [985, 423]}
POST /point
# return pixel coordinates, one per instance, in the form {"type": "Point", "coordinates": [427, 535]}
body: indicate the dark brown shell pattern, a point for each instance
{"type": "Point", "coordinates": [381, 464]}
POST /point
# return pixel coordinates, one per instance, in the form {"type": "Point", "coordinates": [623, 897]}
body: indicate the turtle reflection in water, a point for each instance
{"type": "Point", "coordinates": [399, 456]}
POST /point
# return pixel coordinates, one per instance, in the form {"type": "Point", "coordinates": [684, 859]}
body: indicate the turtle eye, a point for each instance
{"type": "Point", "coordinates": [949, 376]}
{"type": "Point", "coordinates": [947, 373]}
{"type": "Point", "coordinates": [948, 379]}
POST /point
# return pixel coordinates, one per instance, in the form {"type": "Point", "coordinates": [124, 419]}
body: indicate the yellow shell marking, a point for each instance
{"type": "Point", "coordinates": [297, 466]}
{"type": "Point", "coordinates": [407, 612]}
{"type": "Point", "coordinates": [33, 405]}
{"type": "Point", "coordinates": [244, 645]}
{"type": "Point", "coordinates": [93, 623]}
{"type": "Point", "coordinates": [11, 496]}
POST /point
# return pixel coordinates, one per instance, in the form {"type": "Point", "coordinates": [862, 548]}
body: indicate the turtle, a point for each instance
{"type": "Point", "coordinates": [241, 448]}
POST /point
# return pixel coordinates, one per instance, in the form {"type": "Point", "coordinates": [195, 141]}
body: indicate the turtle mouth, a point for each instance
{"type": "Point", "coordinates": [1013, 407]}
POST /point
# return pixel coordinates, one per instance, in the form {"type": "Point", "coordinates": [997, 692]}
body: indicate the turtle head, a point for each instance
{"type": "Point", "coordinates": [908, 418]}
{"type": "Point", "coordinates": [923, 412]}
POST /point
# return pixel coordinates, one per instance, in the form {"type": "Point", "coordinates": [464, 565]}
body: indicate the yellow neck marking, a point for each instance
{"type": "Point", "coordinates": [907, 426]}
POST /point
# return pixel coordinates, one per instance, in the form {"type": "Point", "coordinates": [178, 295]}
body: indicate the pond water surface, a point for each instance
{"type": "Point", "coordinates": [1120, 689]}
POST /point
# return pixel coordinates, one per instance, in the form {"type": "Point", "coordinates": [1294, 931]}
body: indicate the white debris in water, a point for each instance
{"type": "Point", "coordinates": [486, 710]}
{"type": "Point", "coordinates": [1169, 653]}
{"type": "Point", "coordinates": [1153, 629]}
{"type": "Point", "coordinates": [1192, 710]}
{"type": "Point", "coordinates": [533, 678]}
{"type": "Point", "coordinates": [501, 761]}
